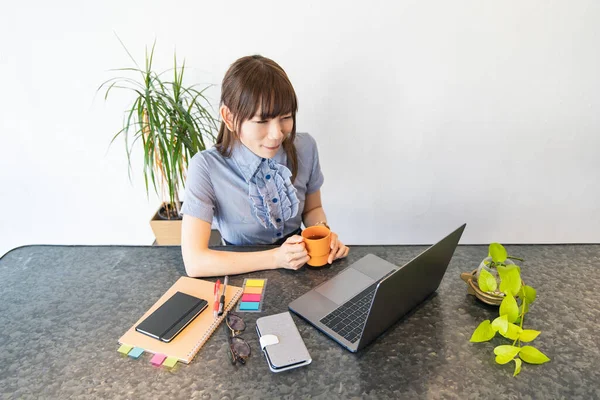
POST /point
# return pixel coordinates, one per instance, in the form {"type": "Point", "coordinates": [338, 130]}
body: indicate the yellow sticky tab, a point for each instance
{"type": "Point", "coordinates": [124, 349]}
{"type": "Point", "coordinates": [170, 362]}
{"type": "Point", "coordinates": [255, 282]}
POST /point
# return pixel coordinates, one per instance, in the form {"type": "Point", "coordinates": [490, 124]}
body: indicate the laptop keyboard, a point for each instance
{"type": "Point", "coordinates": [348, 319]}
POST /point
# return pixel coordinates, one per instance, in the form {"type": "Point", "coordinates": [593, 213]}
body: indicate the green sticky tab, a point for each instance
{"type": "Point", "coordinates": [124, 349]}
{"type": "Point", "coordinates": [170, 362]}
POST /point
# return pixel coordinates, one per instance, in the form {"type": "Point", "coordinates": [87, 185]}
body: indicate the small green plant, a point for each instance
{"type": "Point", "coordinates": [517, 299]}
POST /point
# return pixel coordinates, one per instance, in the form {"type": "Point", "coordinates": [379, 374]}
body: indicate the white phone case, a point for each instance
{"type": "Point", "coordinates": [281, 342]}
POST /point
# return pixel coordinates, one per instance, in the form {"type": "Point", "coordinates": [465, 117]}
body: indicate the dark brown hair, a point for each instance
{"type": "Point", "coordinates": [254, 82]}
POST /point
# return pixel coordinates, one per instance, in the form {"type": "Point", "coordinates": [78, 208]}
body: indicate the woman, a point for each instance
{"type": "Point", "coordinates": [259, 182]}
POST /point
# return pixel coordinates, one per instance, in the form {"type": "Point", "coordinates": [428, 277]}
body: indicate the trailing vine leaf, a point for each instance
{"type": "Point", "coordinates": [513, 332]}
{"type": "Point", "coordinates": [531, 355]}
{"type": "Point", "coordinates": [517, 366]}
{"type": "Point", "coordinates": [483, 333]}
{"type": "Point", "coordinates": [498, 253]}
{"type": "Point", "coordinates": [523, 308]}
{"type": "Point", "coordinates": [510, 281]}
{"type": "Point", "coordinates": [528, 335]}
{"type": "Point", "coordinates": [509, 308]}
{"type": "Point", "coordinates": [506, 268]}
{"type": "Point", "coordinates": [500, 324]}
{"type": "Point", "coordinates": [501, 270]}
{"type": "Point", "coordinates": [486, 281]}
{"type": "Point", "coordinates": [505, 353]}
{"type": "Point", "coordinates": [530, 294]}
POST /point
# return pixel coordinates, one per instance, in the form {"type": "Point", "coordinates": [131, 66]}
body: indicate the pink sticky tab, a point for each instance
{"type": "Point", "coordinates": [158, 359]}
{"type": "Point", "coordinates": [251, 297]}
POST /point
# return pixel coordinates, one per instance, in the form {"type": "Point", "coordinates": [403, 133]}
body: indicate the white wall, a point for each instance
{"type": "Point", "coordinates": [427, 113]}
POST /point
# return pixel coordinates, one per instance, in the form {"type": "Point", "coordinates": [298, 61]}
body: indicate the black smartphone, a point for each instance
{"type": "Point", "coordinates": [172, 316]}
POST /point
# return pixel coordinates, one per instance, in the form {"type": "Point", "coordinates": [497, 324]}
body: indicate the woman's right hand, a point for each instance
{"type": "Point", "coordinates": [291, 254]}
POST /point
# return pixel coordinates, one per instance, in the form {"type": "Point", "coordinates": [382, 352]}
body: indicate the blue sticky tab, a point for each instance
{"type": "Point", "coordinates": [249, 305]}
{"type": "Point", "coordinates": [136, 352]}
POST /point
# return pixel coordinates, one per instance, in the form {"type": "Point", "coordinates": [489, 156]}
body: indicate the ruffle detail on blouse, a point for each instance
{"type": "Point", "coordinates": [273, 181]}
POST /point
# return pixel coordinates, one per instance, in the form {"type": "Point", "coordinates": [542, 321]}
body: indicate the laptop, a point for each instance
{"type": "Point", "coordinates": [361, 302]}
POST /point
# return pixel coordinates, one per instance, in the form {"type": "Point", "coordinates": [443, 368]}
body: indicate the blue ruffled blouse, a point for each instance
{"type": "Point", "coordinates": [250, 199]}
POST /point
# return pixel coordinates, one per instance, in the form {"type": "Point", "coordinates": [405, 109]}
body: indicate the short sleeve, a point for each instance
{"type": "Point", "coordinates": [199, 199]}
{"type": "Point", "coordinates": [316, 179]}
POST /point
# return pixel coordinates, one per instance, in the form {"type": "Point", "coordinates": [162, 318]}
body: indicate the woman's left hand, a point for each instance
{"type": "Point", "coordinates": [338, 249]}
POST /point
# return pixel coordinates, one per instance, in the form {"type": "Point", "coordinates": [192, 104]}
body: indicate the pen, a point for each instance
{"type": "Point", "coordinates": [216, 303]}
{"type": "Point", "coordinates": [222, 301]}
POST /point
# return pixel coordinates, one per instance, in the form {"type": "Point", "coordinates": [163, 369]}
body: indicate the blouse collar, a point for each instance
{"type": "Point", "coordinates": [248, 162]}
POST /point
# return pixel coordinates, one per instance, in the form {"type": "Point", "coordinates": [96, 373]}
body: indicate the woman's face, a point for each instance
{"type": "Point", "coordinates": [264, 137]}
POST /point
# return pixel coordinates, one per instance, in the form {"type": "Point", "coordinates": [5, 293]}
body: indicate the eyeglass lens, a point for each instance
{"type": "Point", "coordinates": [235, 322]}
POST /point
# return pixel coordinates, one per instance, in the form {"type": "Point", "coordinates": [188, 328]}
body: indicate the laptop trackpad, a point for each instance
{"type": "Point", "coordinates": [345, 285]}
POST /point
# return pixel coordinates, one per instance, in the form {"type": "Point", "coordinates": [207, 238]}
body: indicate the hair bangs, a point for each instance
{"type": "Point", "coordinates": [277, 97]}
{"type": "Point", "coordinates": [268, 90]}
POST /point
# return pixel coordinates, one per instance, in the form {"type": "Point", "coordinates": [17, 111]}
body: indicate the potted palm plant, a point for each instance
{"type": "Point", "coordinates": [169, 122]}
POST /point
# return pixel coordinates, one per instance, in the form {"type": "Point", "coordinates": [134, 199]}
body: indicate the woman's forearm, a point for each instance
{"type": "Point", "coordinates": [208, 262]}
{"type": "Point", "coordinates": [314, 216]}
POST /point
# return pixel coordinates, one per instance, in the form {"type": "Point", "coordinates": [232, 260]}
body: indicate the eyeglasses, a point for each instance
{"type": "Point", "coordinates": [239, 350]}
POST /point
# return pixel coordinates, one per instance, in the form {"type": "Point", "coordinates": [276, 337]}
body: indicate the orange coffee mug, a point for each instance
{"type": "Point", "coordinates": [317, 240]}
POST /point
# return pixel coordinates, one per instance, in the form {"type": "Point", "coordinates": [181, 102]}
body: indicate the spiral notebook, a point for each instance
{"type": "Point", "coordinates": [185, 345]}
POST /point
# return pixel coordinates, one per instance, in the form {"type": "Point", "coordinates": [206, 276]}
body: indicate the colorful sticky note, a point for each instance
{"type": "Point", "coordinates": [255, 282]}
{"type": "Point", "coordinates": [249, 305]}
{"type": "Point", "coordinates": [251, 297]}
{"type": "Point", "coordinates": [170, 362]}
{"type": "Point", "coordinates": [158, 359]}
{"type": "Point", "coordinates": [251, 289]}
{"type": "Point", "coordinates": [136, 352]}
{"type": "Point", "coordinates": [124, 349]}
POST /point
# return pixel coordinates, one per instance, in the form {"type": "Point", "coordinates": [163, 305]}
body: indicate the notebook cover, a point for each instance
{"type": "Point", "coordinates": [185, 345]}
{"type": "Point", "coordinates": [172, 317]}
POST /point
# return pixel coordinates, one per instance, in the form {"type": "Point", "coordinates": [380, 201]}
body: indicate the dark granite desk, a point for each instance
{"type": "Point", "coordinates": [63, 309]}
